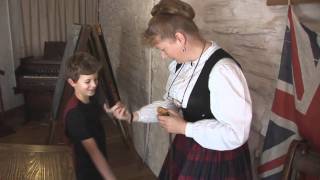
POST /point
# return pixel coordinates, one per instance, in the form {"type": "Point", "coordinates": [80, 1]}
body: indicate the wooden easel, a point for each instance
{"type": "Point", "coordinates": [87, 38]}
{"type": "Point", "coordinates": [286, 2]}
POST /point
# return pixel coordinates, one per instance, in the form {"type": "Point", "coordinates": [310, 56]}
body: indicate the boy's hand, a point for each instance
{"type": "Point", "coordinates": [98, 158]}
{"type": "Point", "coordinates": [119, 111]}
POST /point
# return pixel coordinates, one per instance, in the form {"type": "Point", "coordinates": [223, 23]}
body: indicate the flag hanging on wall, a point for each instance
{"type": "Point", "coordinates": [296, 105]}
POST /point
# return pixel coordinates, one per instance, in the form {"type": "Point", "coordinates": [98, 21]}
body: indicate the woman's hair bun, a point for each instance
{"type": "Point", "coordinates": [173, 7]}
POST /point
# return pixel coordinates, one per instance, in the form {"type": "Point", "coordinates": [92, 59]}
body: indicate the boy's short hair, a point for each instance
{"type": "Point", "coordinates": [81, 63]}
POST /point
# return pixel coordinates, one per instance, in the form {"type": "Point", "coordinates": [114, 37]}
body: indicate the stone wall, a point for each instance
{"type": "Point", "coordinates": [251, 31]}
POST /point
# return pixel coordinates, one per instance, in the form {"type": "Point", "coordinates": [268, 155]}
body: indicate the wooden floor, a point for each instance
{"type": "Point", "coordinates": [123, 159]}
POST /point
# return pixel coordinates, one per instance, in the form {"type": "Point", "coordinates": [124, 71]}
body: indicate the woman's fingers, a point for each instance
{"type": "Point", "coordinates": [163, 121]}
{"type": "Point", "coordinates": [174, 113]}
{"type": "Point", "coordinates": [123, 112]}
{"type": "Point", "coordinates": [173, 123]}
{"type": "Point", "coordinates": [119, 111]}
{"type": "Point", "coordinates": [105, 107]}
{"type": "Point", "coordinates": [117, 106]}
{"type": "Point", "coordinates": [110, 110]}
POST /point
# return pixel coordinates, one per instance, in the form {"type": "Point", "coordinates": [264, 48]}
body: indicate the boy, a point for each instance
{"type": "Point", "coordinates": [82, 124]}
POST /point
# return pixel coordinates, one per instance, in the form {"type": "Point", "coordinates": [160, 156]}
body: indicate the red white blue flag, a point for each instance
{"type": "Point", "coordinates": [296, 106]}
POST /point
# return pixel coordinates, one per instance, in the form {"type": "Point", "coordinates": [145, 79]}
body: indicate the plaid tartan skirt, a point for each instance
{"type": "Point", "coordinates": [187, 160]}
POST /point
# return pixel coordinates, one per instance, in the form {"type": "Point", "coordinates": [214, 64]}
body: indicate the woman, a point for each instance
{"type": "Point", "coordinates": [206, 85]}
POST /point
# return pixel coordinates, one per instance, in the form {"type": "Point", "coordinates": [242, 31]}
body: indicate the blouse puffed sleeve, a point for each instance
{"type": "Point", "coordinates": [148, 113]}
{"type": "Point", "coordinates": [230, 103]}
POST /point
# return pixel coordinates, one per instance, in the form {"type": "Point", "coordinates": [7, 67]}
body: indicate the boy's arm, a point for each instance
{"type": "Point", "coordinates": [98, 159]}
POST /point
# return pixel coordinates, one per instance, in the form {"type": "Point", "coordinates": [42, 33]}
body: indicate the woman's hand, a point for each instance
{"type": "Point", "coordinates": [119, 111]}
{"type": "Point", "coordinates": [173, 123]}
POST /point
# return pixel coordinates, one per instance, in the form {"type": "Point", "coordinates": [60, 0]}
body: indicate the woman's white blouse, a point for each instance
{"type": "Point", "coordinates": [230, 103]}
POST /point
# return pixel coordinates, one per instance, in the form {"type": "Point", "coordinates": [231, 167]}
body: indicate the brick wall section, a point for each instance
{"type": "Point", "coordinates": [251, 31]}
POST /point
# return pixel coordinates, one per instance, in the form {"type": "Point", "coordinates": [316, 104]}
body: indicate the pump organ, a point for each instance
{"type": "Point", "coordinates": [36, 78]}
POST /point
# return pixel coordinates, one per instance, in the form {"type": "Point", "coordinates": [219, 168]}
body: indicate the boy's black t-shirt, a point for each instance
{"type": "Point", "coordinates": [82, 121]}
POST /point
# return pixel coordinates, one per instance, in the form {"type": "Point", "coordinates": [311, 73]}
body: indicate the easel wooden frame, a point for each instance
{"type": "Point", "coordinates": [87, 38]}
{"type": "Point", "coordinates": [285, 2]}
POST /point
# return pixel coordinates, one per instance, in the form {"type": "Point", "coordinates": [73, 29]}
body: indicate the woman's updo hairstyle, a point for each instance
{"type": "Point", "coordinates": [169, 17]}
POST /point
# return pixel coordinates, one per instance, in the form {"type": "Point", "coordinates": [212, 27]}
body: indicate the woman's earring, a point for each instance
{"type": "Point", "coordinates": [184, 49]}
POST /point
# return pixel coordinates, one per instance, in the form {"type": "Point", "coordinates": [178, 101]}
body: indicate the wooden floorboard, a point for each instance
{"type": "Point", "coordinates": [125, 162]}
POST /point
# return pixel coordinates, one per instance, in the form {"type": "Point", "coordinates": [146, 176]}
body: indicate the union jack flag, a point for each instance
{"type": "Point", "coordinates": [296, 105]}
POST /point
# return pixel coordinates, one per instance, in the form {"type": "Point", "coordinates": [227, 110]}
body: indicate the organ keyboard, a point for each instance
{"type": "Point", "coordinates": [36, 79]}
{"type": "Point", "coordinates": [37, 75]}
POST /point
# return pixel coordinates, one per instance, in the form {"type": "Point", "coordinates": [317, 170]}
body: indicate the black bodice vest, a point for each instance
{"type": "Point", "coordinates": [198, 106]}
